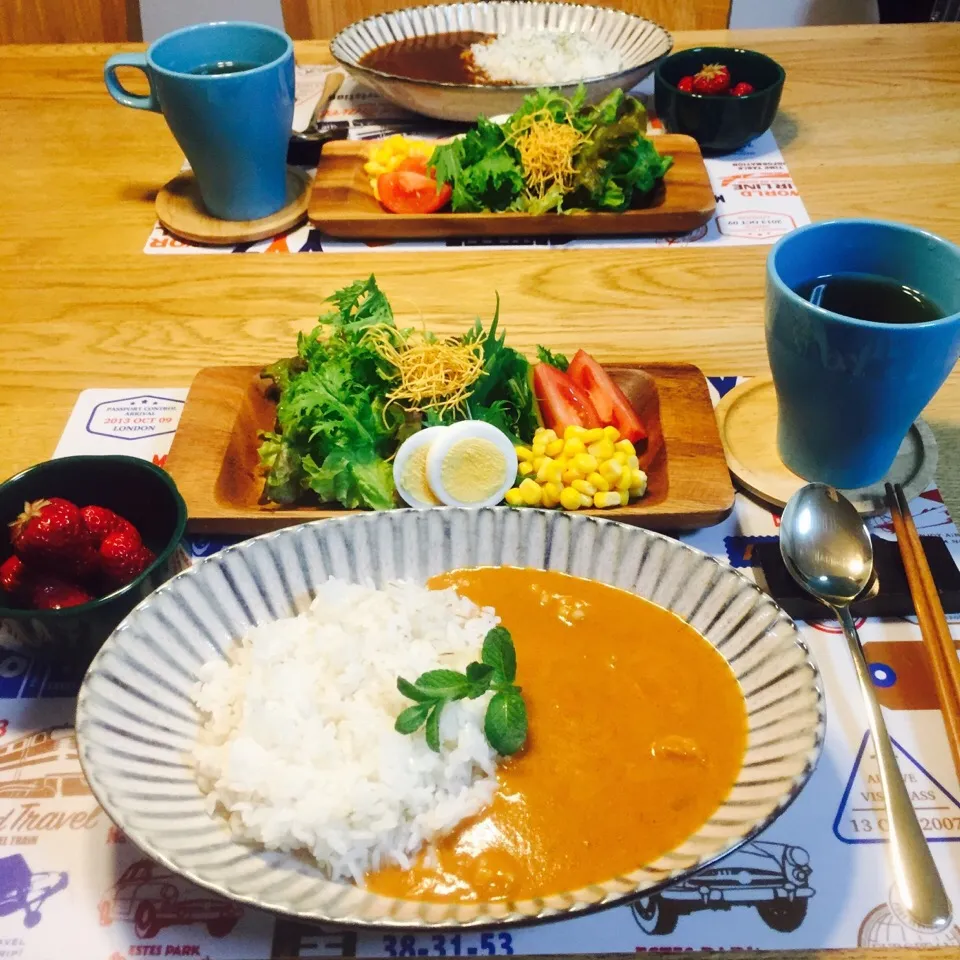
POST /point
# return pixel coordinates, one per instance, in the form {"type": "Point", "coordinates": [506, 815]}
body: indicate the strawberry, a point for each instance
{"type": "Point", "coordinates": [713, 78]}
{"type": "Point", "coordinates": [13, 575]}
{"type": "Point", "coordinates": [686, 84]}
{"type": "Point", "coordinates": [46, 527]}
{"type": "Point", "coordinates": [51, 593]}
{"type": "Point", "coordinates": [79, 565]}
{"type": "Point", "coordinates": [99, 521]}
{"type": "Point", "coordinates": [123, 557]}
{"type": "Point", "coordinates": [741, 89]}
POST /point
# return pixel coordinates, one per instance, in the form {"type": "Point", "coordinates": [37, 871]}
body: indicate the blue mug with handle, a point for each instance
{"type": "Point", "coordinates": [848, 389]}
{"type": "Point", "coordinates": [227, 92]}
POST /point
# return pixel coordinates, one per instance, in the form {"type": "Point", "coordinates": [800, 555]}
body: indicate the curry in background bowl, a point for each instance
{"type": "Point", "coordinates": [705, 738]}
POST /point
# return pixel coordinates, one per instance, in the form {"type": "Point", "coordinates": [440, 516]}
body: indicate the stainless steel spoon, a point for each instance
{"type": "Point", "coordinates": [828, 552]}
{"type": "Point", "coordinates": [310, 133]}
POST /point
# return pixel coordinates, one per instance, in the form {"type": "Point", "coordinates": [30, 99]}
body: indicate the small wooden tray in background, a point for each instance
{"type": "Point", "coordinates": [342, 204]}
{"type": "Point", "coordinates": [215, 465]}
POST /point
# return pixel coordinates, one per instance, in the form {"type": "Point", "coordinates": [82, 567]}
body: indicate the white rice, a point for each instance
{"type": "Point", "coordinates": [539, 57]}
{"type": "Point", "coordinates": [297, 742]}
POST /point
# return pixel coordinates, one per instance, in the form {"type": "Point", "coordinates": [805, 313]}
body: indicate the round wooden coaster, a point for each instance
{"type": "Point", "coordinates": [747, 417]}
{"type": "Point", "coordinates": [181, 211]}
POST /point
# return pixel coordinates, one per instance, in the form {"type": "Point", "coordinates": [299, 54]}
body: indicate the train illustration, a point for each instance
{"type": "Point", "coordinates": [42, 765]}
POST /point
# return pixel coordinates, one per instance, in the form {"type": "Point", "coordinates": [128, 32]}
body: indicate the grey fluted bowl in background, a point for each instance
{"type": "Point", "coordinates": [136, 724]}
{"type": "Point", "coordinates": [640, 42]}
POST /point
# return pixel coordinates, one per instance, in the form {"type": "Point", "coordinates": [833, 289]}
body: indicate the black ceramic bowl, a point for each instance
{"type": "Point", "coordinates": [137, 490]}
{"type": "Point", "coordinates": [721, 123]}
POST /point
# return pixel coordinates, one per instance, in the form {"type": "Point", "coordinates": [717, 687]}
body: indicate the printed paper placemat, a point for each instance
{"type": "Point", "coordinates": [71, 884]}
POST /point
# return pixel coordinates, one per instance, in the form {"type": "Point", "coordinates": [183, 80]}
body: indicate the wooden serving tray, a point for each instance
{"type": "Point", "coordinates": [214, 455]}
{"type": "Point", "coordinates": [342, 204]}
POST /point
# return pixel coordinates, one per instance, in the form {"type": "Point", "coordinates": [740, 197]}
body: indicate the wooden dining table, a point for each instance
{"type": "Point", "coordinates": [867, 124]}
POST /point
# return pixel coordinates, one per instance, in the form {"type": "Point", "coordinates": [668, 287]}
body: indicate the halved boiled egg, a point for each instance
{"type": "Point", "coordinates": [410, 468]}
{"type": "Point", "coordinates": [471, 464]}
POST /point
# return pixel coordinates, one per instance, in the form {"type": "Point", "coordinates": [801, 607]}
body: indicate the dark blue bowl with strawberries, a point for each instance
{"type": "Point", "coordinates": [84, 540]}
{"type": "Point", "coordinates": [723, 97]}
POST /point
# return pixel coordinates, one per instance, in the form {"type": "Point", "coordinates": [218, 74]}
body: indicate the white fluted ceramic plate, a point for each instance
{"type": "Point", "coordinates": [641, 44]}
{"type": "Point", "coordinates": [136, 724]}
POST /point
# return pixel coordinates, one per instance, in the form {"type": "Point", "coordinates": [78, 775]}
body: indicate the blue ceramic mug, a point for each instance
{"type": "Point", "coordinates": [234, 126]}
{"type": "Point", "coordinates": [848, 390]}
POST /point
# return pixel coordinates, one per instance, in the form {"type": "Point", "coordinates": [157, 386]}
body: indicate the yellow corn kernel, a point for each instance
{"type": "Point", "coordinates": [604, 500]}
{"type": "Point", "coordinates": [585, 487]}
{"type": "Point", "coordinates": [555, 448]}
{"type": "Point", "coordinates": [546, 435]}
{"type": "Point", "coordinates": [638, 478]}
{"type": "Point", "coordinates": [573, 446]}
{"type": "Point", "coordinates": [601, 483]}
{"type": "Point", "coordinates": [624, 497]}
{"type": "Point", "coordinates": [602, 449]}
{"type": "Point", "coordinates": [638, 486]}
{"type": "Point", "coordinates": [531, 492]}
{"type": "Point", "coordinates": [514, 497]}
{"type": "Point", "coordinates": [624, 480]}
{"type": "Point", "coordinates": [539, 448]}
{"type": "Point", "coordinates": [525, 468]}
{"type": "Point", "coordinates": [551, 494]}
{"type": "Point", "coordinates": [538, 462]}
{"type": "Point", "coordinates": [621, 458]}
{"type": "Point", "coordinates": [586, 501]}
{"type": "Point", "coordinates": [523, 453]}
{"type": "Point", "coordinates": [570, 499]}
{"type": "Point", "coordinates": [573, 432]}
{"type": "Point", "coordinates": [549, 472]}
{"type": "Point", "coordinates": [584, 463]}
{"type": "Point", "coordinates": [610, 470]}
{"type": "Point", "coordinates": [633, 463]}
{"type": "Point", "coordinates": [569, 475]}
{"type": "Point", "coordinates": [563, 462]}
{"type": "Point", "coordinates": [625, 446]}
{"type": "Point", "coordinates": [611, 433]}
{"type": "Point", "coordinates": [592, 436]}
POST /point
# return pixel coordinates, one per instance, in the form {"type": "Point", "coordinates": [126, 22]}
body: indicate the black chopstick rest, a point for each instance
{"type": "Point", "coordinates": [893, 600]}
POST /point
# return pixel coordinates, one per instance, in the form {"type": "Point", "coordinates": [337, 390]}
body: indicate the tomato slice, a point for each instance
{"type": "Point", "coordinates": [562, 403]}
{"type": "Point", "coordinates": [610, 401]}
{"type": "Point", "coordinates": [407, 191]}
{"type": "Point", "coordinates": [415, 163]}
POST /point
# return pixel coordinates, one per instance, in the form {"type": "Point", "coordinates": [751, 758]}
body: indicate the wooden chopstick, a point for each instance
{"type": "Point", "coordinates": [933, 622]}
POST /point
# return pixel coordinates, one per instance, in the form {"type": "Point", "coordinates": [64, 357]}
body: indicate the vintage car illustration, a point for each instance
{"type": "Point", "coordinates": [153, 898]}
{"type": "Point", "coordinates": [21, 889]}
{"type": "Point", "coordinates": [769, 876]}
{"type": "Point", "coordinates": [40, 765]}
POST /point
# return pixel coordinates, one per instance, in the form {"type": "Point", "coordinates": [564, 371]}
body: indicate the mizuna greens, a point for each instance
{"type": "Point", "coordinates": [555, 154]}
{"type": "Point", "coordinates": [336, 426]}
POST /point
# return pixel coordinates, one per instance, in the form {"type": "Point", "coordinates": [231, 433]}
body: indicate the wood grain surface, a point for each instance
{"type": "Point", "coordinates": [84, 307]}
{"type": "Point", "coordinates": [215, 465]}
{"type": "Point", "coordinates": [313, 19]}
{"type": "Point", "coordinates": [344, 206]}
{"type": "Point", "coordinates": [69, 21]}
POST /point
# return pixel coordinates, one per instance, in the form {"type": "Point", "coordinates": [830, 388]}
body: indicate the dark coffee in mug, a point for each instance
{"type": "Point", "coordinates": [869, 296]}
{"type": "Point", "coordinates": [220, 67]}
